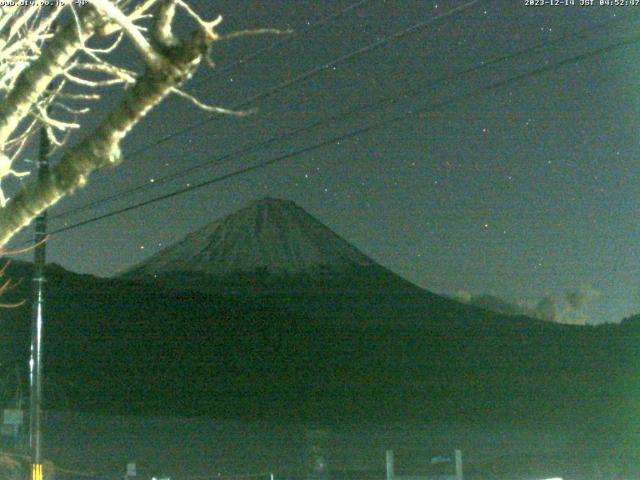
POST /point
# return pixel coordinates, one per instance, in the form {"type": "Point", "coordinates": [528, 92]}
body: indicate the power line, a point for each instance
{"type": "Point", "coordinates": [336, 118]}
{"type": "Point", "coordinates": [359, 131]}
{"type": "Point", "coordinates": [314, 71]}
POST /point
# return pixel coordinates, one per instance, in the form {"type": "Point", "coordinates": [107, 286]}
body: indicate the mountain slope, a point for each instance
{"type": "Point", "coordinates": [276, 236]}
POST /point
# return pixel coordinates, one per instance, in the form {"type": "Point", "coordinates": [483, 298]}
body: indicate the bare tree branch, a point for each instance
{"type": "Point", "coordinates": [210, 108]}
{"type": "Point", "coordinates": [257, 31]}
{"type": "Point", "coordinates": [33, 55]}
{"type": "Point", "coordinates": [34, 80]}
{"type": "Point", "coordinates": [101, 148]}
{"type": "Point", "coordinates": [139, 41]}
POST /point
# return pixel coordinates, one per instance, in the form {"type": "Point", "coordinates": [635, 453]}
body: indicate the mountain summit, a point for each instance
{"type": "Point", "coordinates": [272, 235]}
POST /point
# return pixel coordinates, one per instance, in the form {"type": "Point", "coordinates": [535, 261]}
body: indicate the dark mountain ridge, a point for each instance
{"type": "Point", "coordinates": [149, 348]}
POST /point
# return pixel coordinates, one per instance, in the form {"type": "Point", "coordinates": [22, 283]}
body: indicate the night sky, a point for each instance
{"type": "Point", "coordinates": [524, 191]}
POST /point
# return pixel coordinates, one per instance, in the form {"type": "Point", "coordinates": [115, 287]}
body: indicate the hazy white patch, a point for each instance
{"type": "Point", "coordinates": [570, 308]}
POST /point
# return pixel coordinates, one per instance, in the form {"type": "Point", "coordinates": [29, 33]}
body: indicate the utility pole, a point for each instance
{"type": "Point", "coordinates": [35, 362]}
{"type": "Point", "coordinates": [459, 474]}
{"type": "Point", "coordinates": [389, 462]}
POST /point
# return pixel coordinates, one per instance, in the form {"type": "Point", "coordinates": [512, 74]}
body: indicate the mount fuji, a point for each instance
{"type": "Point", "coordinates": [270, 235]}
{"type": "Point", "coordinates": [273, 246]}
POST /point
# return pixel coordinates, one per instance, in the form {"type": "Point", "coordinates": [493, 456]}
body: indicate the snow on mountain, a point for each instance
{"type": "Point", "coordinates": [269, 234]}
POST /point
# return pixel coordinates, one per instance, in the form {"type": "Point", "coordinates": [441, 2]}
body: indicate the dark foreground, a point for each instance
{"type": "Point", "coordinates": [99, 447]}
